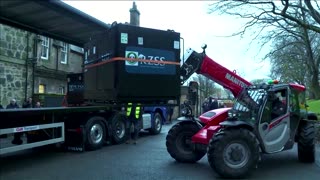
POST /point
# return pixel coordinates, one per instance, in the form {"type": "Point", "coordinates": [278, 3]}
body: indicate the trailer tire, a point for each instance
{"type": "Point", "coordinates": [306, 143]}
{"type": "Point", "coordinates": [156, 124]}
{"type": "Point", "coordinates": [119, 128]}
{"type": "Point", "coordinates": [179, 145]}
{"type": "Point", "coordinates": [233, 153]}
{"type": "Point", "coordinates": [95, 133]}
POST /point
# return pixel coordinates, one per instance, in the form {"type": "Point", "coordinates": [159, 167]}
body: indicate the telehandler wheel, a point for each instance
{"type": "Point", "coordinates": [233, 153]}
{"type": "Point", "coordinates": [179, 145]}
{"type": "Point", "coordinates": [95, 133]}
{"type": "Point", "coordinates": [306, 143]}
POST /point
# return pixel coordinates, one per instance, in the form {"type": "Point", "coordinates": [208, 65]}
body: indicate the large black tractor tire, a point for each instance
{"type": "Point", "coordinates": [306, 143]}
{"type": "Point", "coordinates": [233, 153]}
{"type": "Point", "coordinates": [119, 128]}
{"type": "Point", "coordinates": [95, 133]}
{"type": "Point", "coordinates": [179, 145]}
{"type": "Point", "coordinates": [157, 124]}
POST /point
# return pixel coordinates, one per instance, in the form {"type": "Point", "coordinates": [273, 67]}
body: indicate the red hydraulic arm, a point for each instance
{"type": "Point", "coordinates": [202, 64]}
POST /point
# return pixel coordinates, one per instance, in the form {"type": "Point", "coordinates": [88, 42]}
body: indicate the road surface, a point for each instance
{"type": "Point", "coordinates": [148, 160]}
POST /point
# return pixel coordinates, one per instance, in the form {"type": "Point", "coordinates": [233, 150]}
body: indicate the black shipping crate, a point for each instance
{"type": "Point", "coordinates": [75, 88]}
{"type": "Point", "coordinates": [109, 80]}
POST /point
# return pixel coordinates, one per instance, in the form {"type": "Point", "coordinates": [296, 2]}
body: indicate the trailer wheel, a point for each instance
{"type": "Point", "coordinates": [233, 153]}
{"type": "Point", "coordinates": [156, 124]}
{"type": "Point", "coordinates": [119, 128]}
{"type": "Point", "coordinates": [95, 133]}
{"type": "Point", "coordinates": [179, 145]}
{"type": "Point", "coordinates": [306, 146]}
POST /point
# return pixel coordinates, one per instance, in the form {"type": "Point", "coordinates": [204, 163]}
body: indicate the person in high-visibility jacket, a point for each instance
{"type": "Point", "coordinates": [134, 115]}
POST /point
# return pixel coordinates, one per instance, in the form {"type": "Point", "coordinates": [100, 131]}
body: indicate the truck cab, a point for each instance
{"type": "Point", "coordinates": [159, 116]}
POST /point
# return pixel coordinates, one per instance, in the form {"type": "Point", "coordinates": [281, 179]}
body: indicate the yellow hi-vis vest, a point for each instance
{"type": "Point", "coordinates": [137, 113]}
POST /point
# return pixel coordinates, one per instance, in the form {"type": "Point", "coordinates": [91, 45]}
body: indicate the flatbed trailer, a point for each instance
{"type": "Point", "coordinates": [76, 128]}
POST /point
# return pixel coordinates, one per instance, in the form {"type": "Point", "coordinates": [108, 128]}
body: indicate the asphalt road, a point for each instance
{"type": "Point", "coordinates": [148, 160]}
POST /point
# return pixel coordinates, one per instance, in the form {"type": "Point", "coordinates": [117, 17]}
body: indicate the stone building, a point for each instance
{"type": "Point", "coordinates": [31, 63]}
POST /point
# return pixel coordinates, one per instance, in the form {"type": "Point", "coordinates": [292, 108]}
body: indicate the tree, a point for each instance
{"type": "Point", "coordinates": [258, 81]}
{"type": "Point", "coordinates": [206, 86]}
{"type": "Point", "coordinates": [268, 11]}
{"type": "Point", "coordinates": [289, 60]}
{"type": "Point", "coordinates": [296, 58]}
{"type": "Point", "coordinates": [297, 20]}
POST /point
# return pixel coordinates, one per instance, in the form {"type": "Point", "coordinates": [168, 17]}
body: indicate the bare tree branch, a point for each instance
{"type": "Point", "coordinates": [313, 12]}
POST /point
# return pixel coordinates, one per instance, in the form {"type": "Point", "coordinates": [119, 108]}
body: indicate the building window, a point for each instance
{"type": "Point", "coordinates": [61, 89]}
{"type": "Point", "coordinates": [64, 53]}
{"type": "Point", "coordinates": [45, 48]}
{"type": "Point", "coordinates": [42, 88]}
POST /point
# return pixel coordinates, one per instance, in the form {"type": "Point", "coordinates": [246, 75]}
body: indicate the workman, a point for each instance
{"type": "Point", "coordinates": [134, 115]}
{"type": "Point", "coordinates": [278, 106]}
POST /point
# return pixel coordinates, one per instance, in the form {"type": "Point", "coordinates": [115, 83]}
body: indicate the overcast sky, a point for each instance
{"type": "Point", "coordinates": [195, 25]}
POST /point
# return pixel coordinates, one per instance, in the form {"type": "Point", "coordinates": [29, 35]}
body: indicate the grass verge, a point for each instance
{"type": "Point", "coordinates": [314, 106]}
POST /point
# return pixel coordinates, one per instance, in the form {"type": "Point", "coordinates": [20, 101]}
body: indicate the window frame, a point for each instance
{"type": "Point", "coordinates": [61, 90]}
{"type": "Point", "coordinates": [45, 43]}
{"type": "Point", "coordinates": [64, 50]}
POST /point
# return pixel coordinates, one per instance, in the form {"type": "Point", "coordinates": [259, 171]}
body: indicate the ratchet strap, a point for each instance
{"type": "Point", "coordinates": [130, 59]}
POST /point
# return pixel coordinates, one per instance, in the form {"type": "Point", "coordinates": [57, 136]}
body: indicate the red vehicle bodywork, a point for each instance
{"type": "Point", "coordinates": [211, 119]}
{"type": "Point", "coordinates": [229, 80]}
{"type": "Point", "coordinates": [298, 87]}
{"type": "Point", "coordinates": [223, 76]}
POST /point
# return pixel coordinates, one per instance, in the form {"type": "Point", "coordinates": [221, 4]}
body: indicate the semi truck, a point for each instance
{"type": "Point", "coordinates": [125, 64]}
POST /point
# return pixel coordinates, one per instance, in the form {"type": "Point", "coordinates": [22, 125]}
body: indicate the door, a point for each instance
{"type": "Point", "coordinates": [146, 121]}
{"type": "Point", "coordinates": [274, 125]}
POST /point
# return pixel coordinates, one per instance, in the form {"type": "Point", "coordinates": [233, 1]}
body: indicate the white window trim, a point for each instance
{"type": "Point", "coordinates": [61, 90]}
{"type": "Point", "coordinates": [45, 43]}
{"type": "Point", "coordinates": [64, 50]}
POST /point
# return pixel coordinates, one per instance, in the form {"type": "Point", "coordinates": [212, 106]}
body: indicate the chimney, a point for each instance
{"type": "Point", "coordinates": [134, 15]}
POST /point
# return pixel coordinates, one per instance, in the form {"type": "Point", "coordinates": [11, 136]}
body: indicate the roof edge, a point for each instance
{"type": "Point", "coordinates": [72, 9]}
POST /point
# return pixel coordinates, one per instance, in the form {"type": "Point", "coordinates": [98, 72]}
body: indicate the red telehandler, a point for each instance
{"type": "Point", "coordinates": [265, 119]}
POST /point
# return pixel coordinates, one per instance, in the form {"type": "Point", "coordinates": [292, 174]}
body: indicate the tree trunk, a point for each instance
{"type": "Point", "coordinates": [314, 86]}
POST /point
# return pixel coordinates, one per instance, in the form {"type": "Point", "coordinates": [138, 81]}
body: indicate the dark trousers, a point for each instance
{"type": "Point", "coordinates": [136, 128]}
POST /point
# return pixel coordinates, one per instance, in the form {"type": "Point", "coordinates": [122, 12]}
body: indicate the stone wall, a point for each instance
{"type": "Point", "coordinates": [12, 82]}
{"type": "Point", "coordinates": [13, 42]}
{"type": "Point", "coordinates": [75, 62]}
{"type": "Point", "coordinates": [13, 56]}
{"type": "Point", "coordinates": [52, 85]}
{"type": "Point", "coordinates": [16, 52]}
